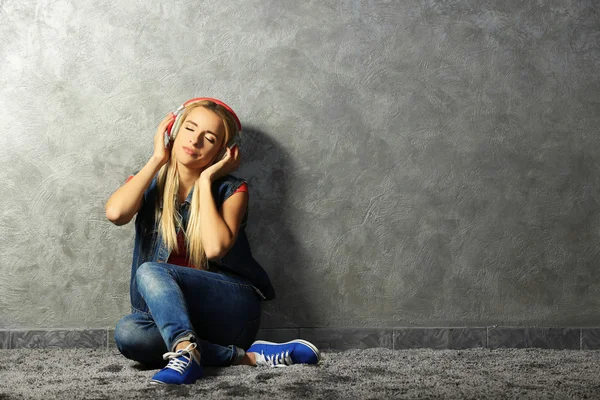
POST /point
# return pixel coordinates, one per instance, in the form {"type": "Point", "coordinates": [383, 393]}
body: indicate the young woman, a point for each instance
{"type": "Point", "coordinates": [195, 288]}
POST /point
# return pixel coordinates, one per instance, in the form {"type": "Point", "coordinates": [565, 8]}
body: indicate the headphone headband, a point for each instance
{"type": "Point", "coordinates": [197, 99]}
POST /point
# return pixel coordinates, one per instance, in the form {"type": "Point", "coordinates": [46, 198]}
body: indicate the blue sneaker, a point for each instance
{"type": "Point", "coordinates": [181, 369]}
{"type": "Point", "coordinates": [296, 351]}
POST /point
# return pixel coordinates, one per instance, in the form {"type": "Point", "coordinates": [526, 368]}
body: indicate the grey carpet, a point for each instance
{"type": "Point", "coordinates": [351, 374]}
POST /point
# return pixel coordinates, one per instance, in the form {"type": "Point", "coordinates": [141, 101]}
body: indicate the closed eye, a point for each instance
{"type": "Point", "coordinates": [212, 141]}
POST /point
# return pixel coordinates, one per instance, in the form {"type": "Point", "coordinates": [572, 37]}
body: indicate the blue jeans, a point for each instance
{"type": "Point", "coordinates": [219, 312]}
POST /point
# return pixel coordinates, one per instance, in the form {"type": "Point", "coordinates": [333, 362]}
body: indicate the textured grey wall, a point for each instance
{"type": "Point", "coordinates": [414, 163]}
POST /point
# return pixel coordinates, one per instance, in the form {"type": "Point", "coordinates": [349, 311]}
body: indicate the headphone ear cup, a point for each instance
{"type": "Point", "coordinates": [169, 127]}
{"type": "Point", "coordinates": [174, 126]}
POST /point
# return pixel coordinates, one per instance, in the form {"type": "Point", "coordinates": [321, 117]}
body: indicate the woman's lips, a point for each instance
{"type": "Point", "coordinates": [189, 151]}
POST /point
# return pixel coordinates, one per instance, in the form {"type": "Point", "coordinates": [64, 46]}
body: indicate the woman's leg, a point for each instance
{"type": "Point", "coordinates": [138, 338]}
{"type": "Point", "coordinates": [219, 312]}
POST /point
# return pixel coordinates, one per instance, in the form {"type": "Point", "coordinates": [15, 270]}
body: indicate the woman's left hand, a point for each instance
{"type": "Point", "coordinates": [229, 163]}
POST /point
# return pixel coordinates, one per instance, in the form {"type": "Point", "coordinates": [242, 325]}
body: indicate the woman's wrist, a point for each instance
{"type": "Point", "coordinates": [206, 177]}
{"type": "Point", "coordinates": [156, 162]}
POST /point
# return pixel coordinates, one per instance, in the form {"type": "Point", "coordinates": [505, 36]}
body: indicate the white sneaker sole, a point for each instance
{"type": "Point", "coordinates": [309, 344]}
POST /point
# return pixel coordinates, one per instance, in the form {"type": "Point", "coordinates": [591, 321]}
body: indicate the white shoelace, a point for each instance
{"type": "Point", "coordinates": [282, 359]}
{"type": "Point", "coordinates": [175, 363]}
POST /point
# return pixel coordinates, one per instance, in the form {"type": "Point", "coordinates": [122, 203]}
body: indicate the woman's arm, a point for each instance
{"type": "Point", "coordinates": [125, 202]}
{"type": "Point", "coordinates": [219, 230]}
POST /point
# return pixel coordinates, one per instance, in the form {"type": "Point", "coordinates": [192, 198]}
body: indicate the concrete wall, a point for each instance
{"type": "Point", "coordinates": [410, 163]}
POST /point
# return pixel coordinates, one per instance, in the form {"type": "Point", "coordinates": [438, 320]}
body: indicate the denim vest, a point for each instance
{"type": "Point", "coordinates": [149, 246]}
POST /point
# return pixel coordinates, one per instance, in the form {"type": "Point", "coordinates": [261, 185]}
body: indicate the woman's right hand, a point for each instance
{"type": "Point", "coordinates": [160, 152]}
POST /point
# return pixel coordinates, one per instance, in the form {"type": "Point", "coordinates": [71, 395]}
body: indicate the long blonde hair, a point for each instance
{"type": "Point", "coordinates": [168, 188]}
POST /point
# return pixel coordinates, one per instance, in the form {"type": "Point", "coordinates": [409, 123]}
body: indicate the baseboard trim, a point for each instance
{"type": "Point", "coordinates": [492, 337]}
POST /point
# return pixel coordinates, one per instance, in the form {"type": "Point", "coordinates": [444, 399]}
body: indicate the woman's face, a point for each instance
{"type": "Point", "coordinates": [202, 133]}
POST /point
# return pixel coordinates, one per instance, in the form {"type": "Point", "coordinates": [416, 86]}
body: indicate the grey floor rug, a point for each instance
{"type": "Point", "coordinates": [351, 374]}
